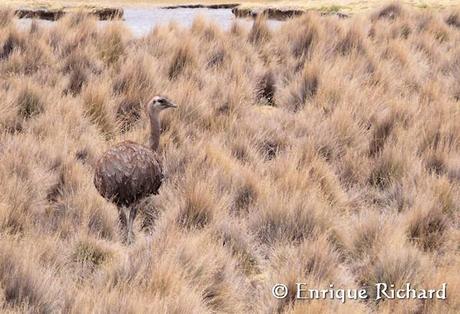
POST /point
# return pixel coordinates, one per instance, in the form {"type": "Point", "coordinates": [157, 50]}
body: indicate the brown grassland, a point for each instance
{"type": "Point", "coordinates": [324, 151]}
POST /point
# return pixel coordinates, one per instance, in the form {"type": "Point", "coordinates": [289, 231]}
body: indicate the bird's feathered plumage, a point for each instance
{"type": "Point", "coordinates": [127, 173]}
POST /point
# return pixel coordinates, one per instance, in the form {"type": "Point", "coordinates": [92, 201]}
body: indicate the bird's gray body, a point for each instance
{"type": "Point", "coordinates": [127, 173]}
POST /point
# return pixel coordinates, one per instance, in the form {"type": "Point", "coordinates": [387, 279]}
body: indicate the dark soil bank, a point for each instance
{"type": "Point", "coordinates": [203, 6]}
{"type": "Point", "coordinates": [53, 15]}
{"type": "Point", "coordinates": [277, 14]}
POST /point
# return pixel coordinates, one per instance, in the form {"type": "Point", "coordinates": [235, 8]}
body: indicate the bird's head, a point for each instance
{"type": "Point", "coordinates": [159, 103]}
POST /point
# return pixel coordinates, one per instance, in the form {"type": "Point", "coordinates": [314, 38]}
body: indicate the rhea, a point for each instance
{"type": "Point", "coordinates": [129, 172]}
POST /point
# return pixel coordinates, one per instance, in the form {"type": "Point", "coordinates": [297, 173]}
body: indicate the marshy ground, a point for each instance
{"type": "Point", "coordinates": [323, 151]}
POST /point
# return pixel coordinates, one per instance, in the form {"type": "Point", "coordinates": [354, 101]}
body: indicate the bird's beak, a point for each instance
{"type": "Point", "coordinates": [172, 105]}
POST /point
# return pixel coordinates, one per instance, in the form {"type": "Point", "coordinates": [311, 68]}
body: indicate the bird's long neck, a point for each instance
{"type": "Point", "coordinates": [155, 130]}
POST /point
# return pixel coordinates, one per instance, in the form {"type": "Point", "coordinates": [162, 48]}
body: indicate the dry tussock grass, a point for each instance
{"type": "Point", "coordinates": [324, 152]}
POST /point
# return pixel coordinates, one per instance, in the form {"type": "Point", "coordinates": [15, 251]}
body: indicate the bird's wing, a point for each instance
{"type": "Point", "coordinates": [127, 172]}
{"type": "Point", "coordinates": [147, 173]}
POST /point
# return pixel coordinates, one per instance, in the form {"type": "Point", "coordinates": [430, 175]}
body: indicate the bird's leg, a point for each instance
{"type": "Point", "coordinates": [131, 216]}
{"type": "Point", "coordinates": [123, 223]}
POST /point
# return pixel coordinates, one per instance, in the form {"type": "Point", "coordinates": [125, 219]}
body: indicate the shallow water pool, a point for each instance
{"type": "Point", "coordinates": [142, 20]}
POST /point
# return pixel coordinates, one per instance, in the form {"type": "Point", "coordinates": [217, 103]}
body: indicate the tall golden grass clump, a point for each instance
{"type": "Point", "coordinates": [323, 151]}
